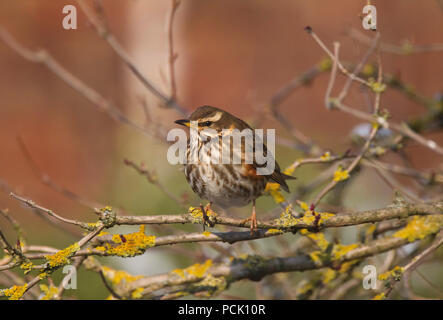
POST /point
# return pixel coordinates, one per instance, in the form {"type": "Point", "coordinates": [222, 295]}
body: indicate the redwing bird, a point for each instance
{"type": "Point", "coordinates": [226, 184]}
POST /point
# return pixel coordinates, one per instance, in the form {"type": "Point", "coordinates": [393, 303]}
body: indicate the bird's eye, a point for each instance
{"type": "Point", "coordinates": [207, 123]}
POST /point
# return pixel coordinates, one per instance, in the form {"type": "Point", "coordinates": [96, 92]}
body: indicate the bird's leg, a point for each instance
{"type": "Point", "coordinates": [205, 215]}
{"type": "Point", "coordinates": [253, 219]}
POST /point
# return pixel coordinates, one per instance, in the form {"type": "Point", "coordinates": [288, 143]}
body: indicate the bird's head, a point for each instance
{"type": "Point", "coordinates": [207, 117]}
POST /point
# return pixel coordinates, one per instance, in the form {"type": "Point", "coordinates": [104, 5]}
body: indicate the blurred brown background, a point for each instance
{"type": "Point", "coordinates": [231, 54]}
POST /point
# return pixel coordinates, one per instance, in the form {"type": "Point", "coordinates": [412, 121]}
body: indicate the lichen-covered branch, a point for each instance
{"type": "Point", "coordinates": [214, 277]}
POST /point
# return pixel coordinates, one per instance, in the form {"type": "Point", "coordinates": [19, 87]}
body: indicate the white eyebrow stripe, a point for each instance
{"type": "Point", "coordinates": [215, 117]}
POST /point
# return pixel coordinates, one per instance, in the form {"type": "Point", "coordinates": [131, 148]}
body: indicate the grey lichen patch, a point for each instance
{"type": "Point", "coordinates": [398, 201]}
{"type": "Point", "coordinates": [286, 219]}
{"type": "Point", "coordinates": [211, 285]}
{"type": "Point", "coordinates": [310, 219]}
{"type": "Point", "coordinates": [254, 264]}
{"type": "Point", "coordinates": [107, 216]}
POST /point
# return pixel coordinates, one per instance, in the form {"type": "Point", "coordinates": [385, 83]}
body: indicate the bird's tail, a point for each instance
{"type": "Point", "coordinates": [281, 178]}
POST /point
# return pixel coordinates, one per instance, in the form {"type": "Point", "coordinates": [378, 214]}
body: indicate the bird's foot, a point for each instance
{"type": "Point", "coordinates": [253, 220]}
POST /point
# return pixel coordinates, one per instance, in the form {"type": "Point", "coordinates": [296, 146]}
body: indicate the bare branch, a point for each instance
{"type": "Point", "coordinates": [124, 56]}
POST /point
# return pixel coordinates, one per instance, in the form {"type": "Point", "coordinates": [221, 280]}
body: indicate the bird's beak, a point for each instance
{"type": "Point", "coordinates": [183, 122]}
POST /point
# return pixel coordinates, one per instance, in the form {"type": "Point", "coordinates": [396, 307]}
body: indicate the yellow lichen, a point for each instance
{"type": "Point", "coordinates": [212, 284]}
{"type": "Point", "coordinates": [304, 206]}
{"type": "Point", "coordinates": [137, 293]}
{"type": "Point", "coordinates": [341, 174]}
{"type": "Point", "coordinates": [344, 267]}
{"type": "Point", "coordinates": [318, 238]}
{"type": "Point", "coordinates": [370, 230]}
{"type": "Point", "coordinates": [93, 225]}
{"type": "Point", "coordinates": [206, 233]}
{"type": "Point", "coordinates": [26, 266]}
{"type": "Point", "coordinates": [198, 270]}
{"type": "Point", "coordinates": [179, 294]}
{"type": "Point", "coordinates": [304, 288]}
{"type": "Point", "coordinates": [197, 215]}
{"type": "Point", "coordinates": [384, 276]}
{"type": "Point", "coordinates": [379, 151]}
{"type": "Point", "coordinates": [380, 296]}
{"type": "Point", "coordinates": [325, 64]}
{"type": "Point", "coordinates": [377, 87]}
{"type": "Point", "coordinates": [419, 227]}
{"type": "Point", "coordinates": [286, 218]}
{"type": "Point", "coordinates": [49, 292]}
{"type": "Point", "coordinates": [273, 189]}
{"type": "Point", "coordinates": [273, 231]}
{"type": "Point", "coordinates": [62, 257]}
{"type": "Point", "coordinates": [326, 156]}
{"type": "Point", "coordinates": [117, 276]}
{"type": "Point", "coordinates": [316, 257]}
{"type": "Point", "coordinates": [328, 275]}
{"type": "Point", "coordinates": [130, 245]}
{"type": "Point", "coordinates": [324, 216]}
{"type": "Point", "coordinates": [339, 250]}
{"type": "Point", "coordinates": [368, 70]}
{"type": "Point", "coordinates": [321, 257]}
{"type": "Point", "coordinates": [180, 272]}
{"type": "Point", "coordinates": [15, 292]}
{"type": "Point", "coordinates": [375, 124]}
{"type": "Point", "coordinates": [105, 209]}
{"type": "Point", "coordinates": [397, 269]}
{"type": "Point", "coordinates": [396, 273]}
{"type": "Point", "coordinates": [289, 170]}
{"type": "Point", "coordinates": [310, 217]}
{"type": "Point", "coordinates": [313, 218]}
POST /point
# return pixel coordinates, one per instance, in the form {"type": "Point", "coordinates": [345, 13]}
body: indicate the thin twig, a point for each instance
{"type": "Point", "coordinates": [172, 55]}
{"type": "Point", "coordinates": [406, 49]}
{"type": "Point", "coordinates": [417, 260]}
{"type": "Point", "coordinates": [124, 56]}
{"type": "Point", "coordinates": [44, 58]}
{"type": "Point", "coordinates": [331, 55]}
{"type": "Point", "coordinates": [49, 212]}
{"type": "Point", "coordinates": [153, 179]}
